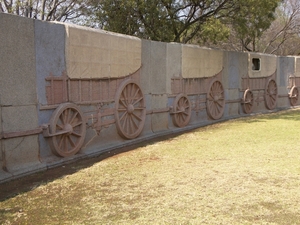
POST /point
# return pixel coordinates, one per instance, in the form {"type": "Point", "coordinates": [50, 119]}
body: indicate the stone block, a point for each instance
{"type": "Point", "coordinates": [235, 64]}
{"type": "Point", "coordinates": [282, 99]}
{"type": "Point", "coordinates": [146, 68]}
{"type": "Point", "coordinates": [232, 108]}
{"type": "Point", "coordinates": [297, 65]}
{"type": "Point", "coordinates": [286, 68]}
{"type": "Point", "coordinates": [174, 64]}
{"type": "Point", "coordinates": [22, 154]}
{"type": "Point", "coordinates": [19, 118]}
{"type": "Point", "coordinates": [17, 60]}
{"type": "Point", "coordinates": [147, 127]}
{"type": "Point", "coordinates": [92, 53]}
{"type": "Point", "coordinates": [261, 65]}
{"type": "Point", "coordinates": [154, 60]}
{"type": "Point", "coordinates": [158, 62]}
{"type": "Point", "coordinates": [159, 121]}
{"type": "Point", "coordinates": [50, 54]}
{"type": "Point", "coordinates": [200, 62]}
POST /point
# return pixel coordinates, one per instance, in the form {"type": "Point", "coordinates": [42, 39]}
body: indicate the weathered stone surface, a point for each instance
{"type": "Point", "coordinates": [267, 64]}
{"type": "Point", "coordinates": [147, 127]}
{"type": "Point", "coordinates": [19, 118]}
{"type": "Point", "coordinates": [50, 54]}
{"type": "Point", "coordinates": [17, 60]}
{"type": "Point", "coordinates": [232, 108]}
{"type": "Point", "coordinates": [159, 121]}
{"type": "Point", "coordinates": [286, 68]}
{"type": "Point", "coordinates": [146, 68]}
{"type": "Point", "coordinates": [22, 154]}
{"type": "Point", "coordinates": [235, 64]}
{"type": "Point", "coordinates": [200, 62]}
{"type": "Point", "coordinates": [92, 53]}
{"type": "Point", "coordinates": [174, 64]}
{"type": "Point", "coordinates": [283, 101]}
{"type": "Point", "coordinates": [158, 62]}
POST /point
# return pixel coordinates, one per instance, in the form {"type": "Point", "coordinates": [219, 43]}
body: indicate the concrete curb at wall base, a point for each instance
{"type": "Point", "coordinates": [6, 177]}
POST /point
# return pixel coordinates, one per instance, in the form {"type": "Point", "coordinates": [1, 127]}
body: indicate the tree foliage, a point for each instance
{"type": "Point", "coordinates": [242, 25]}
{"type": "Point", "coordinates": [186, 20]}
{"type": "Point", "coordinates": [253, 18]}
{"type": "Point", "coordinates": [282, 38]}
{"type": "Point", "coordinates": [50, 10]}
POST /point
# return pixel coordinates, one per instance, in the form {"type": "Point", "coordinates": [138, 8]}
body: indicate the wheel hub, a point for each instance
{"type": "Point", "coordinates": [216, 98]}
{"type": "Point", "coordinates": [182, 109]}
{"type": "Point", "coordinates": [130, 108]}
{"type": "Point", "coordinates": [68, 127]}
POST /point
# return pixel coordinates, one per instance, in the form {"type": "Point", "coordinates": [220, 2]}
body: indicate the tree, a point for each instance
{"type": "Point", "coordinates": [161, 20]}
{"type": "Point", "coordinates": [252, 20]}
{"type": "Point", "coordinates": [282, 38]}
{"type": "Point", "coordinates": [55, 10]}
{"type": "Point", "coordinates": [186, 20]}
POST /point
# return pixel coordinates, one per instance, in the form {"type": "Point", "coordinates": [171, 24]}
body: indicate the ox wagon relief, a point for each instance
{"type": "Point", "coordinates": [68, 124]}
{"type": "Point", "coordinates": [209, 95]}
{"type": "Point", "coordinates": [258, 89]}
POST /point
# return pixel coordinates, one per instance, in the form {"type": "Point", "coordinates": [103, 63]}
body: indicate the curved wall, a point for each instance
{"type": "Point", "coordinates": [69, 92]}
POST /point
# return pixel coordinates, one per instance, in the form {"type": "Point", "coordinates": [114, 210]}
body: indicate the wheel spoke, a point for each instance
{"type": "Point", "coordinates": [123, 103]}
{"type": "Point", "coordinates": [65, 144]}
{"type": "Point", "coordinates": [73, 117]}
{"type": "Point", "coordinates": [136, 93]}
{"type": "Point", "coordinates": [136, 116]}
{"type": "Point", "coordinates": [128, 90]}
{"type": "Point", "coordinates": [66, 116]}
{"type": "Point", "coordinates": [60, 143]}
{"type": "Point", "coordinates": [61, 117]}
{"type": "Point", "coordinates": [71, 142]}
{"type": "Point", "coordinates": [125, 121]}
{"type": "Point", "coordinates": [139, 108]}
{"type": "Point", "coordinates": [124, 97]}
{"type": "Point", "coordinates": [77, 124]}
{"type": "Point", "coordinates": [137, 101]}
{"type": "Point", "coordinates": [59, 126]}
{"type": "Point", "coordinates": [123, 116]}
{"type": "Point", "coordinates": [76, 134]}
{"type": "Point", "coordinates": [185, 113]}
{"type": "Point", "coordinates": [134, 123]}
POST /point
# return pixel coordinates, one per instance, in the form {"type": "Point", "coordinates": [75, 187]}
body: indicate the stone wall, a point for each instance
{"type": "Point", "coordinates": [69, 92]}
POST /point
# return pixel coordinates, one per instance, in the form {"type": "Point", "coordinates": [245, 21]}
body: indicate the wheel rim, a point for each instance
{"type": "Point", "coordinates": [69, 120]}
{"type": "Point", "coordinates": [130, 110]}
{"type": "Point", "coordinates": [271, 94]}
{"type": "Point", "coordinates": [248, 101]}
{"type": "Point", "coordinates": [181, 110]}
{"type": "Point", "coordinates": [215, 100]}
{"type": "Point", "coordinates": [294, 95]}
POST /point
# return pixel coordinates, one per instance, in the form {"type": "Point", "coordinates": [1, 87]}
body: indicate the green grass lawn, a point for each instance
{"type": "Point", "coordinates": [244, 171]}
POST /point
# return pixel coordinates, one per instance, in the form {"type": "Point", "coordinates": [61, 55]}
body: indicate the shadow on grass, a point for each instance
{"type": "Point", "coordinates": [22, 185]}
{"type": "Point", "coordinates": [30, 182]}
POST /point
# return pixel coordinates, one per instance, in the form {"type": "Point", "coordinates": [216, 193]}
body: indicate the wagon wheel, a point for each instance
{"type": "Point", "coordinates": [68, 128]}
{"type": "Point", "coordinates": [215, 100]}
{"type": "Point", "coordinates": [294, 95]}
{"type": "Point", "coordinates": [130, 110]}
{"type": "Point", "coordinates": [271, 94]}
{"type": "Point", "coordinates": [181, 110]}
{"type": "Point", "coordinates": [248, 101]}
